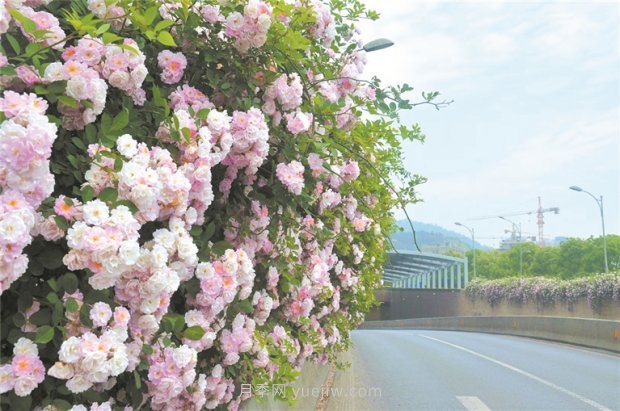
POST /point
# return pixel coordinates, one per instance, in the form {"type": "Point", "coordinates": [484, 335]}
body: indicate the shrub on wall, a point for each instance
{"type": "Point", "coordinates": [194, 196]}
{"type": "Point", "coordinates": [596, 289]}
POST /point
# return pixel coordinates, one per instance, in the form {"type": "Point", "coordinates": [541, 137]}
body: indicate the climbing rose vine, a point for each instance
{"type": "Point", "coordinates": [596, 289]}
{"type": "Point", "coordinates": [194, 195]}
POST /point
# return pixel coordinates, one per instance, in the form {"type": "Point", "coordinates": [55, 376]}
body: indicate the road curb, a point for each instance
{"type": "Point", "coordinates": [600, 334]}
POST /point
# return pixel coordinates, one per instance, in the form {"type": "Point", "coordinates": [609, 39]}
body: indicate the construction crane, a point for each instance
{"type": "Point", "coordinates": [540, 218]}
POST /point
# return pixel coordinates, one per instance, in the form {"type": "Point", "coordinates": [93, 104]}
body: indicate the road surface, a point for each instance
{"type": "Point", "coordinates": [447, 370]}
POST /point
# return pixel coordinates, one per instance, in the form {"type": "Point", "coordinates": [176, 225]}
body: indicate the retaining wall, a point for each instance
{"type": "Point", "coordinates": [398, 303]}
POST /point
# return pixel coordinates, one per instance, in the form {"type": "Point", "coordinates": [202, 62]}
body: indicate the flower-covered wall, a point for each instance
{"type": "Point", "coordinates": [194, 195]}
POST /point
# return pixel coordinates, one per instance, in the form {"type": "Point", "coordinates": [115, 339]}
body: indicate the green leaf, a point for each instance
{"type": "Point", "coordinates": [41, 317]}
{"type": "Point", "coordinates": [131, 49]}
{"type": "Point", "coordinates": [246, 306]}
{"type": "Point", "coordinates": [137, 380]}
{"type": "Point", "coordinates": [51, 258]}
{"type": "Point", "coordinates": [32, 49]}
{"type": "Point", "coordinates": [72, 160]}
{"type": "Point", "coordinates": [108, 194]}
{"type": "Point", "coordinates": [68, 101]}
{"type": "Point", "coordinates": [8, 71]}
{"type": "Point", "coordinates": [163, 24]}
{"type": "Point", "coordinates": [57, 314]}
{"type": "Point", "coordinates": [78, 143]}
{"type": "Point", "coordinates": [52, 297]}
{"type": "Point", "coordinates": [194, 333]}
{"type": "Point", "coordinates": [40, 89]}
{"type": "Point", "coordinates": [85, 315]}
{"type": "Point", "coordinates": [69, 282]}
{"type": "Point", "coordinates": [121, 120]}
{"type": "Point", "coordinates": [14, 335]}
{"type": "Point", "coordinates": [63, 405]}
{"type": "Point", "coordinates": [35, 267]}
{"type": "Point", "coordinates": [131, 206]}
{"type": "Point", "coordinates": [102, 29]}
{"type": "Point", "coordinates": [19, 319]}
{"type": "Point", "coordinates": [13, 42]}
{"type": "Point", "coordinates": [87, 194]}
{"type": "Point", "coordinates": [44, 334]}
{"type": "Point", "coordinates": [72, 305]}
{"type": "Point", "coordinates": [203, 113]}
{"type": "Point", "coordinates": [173, 323]}
{"type": "Point", "coordinates": [186, 134]}
{"type": "Point", "coordinates": [28, 25]}
{"type": "Point", "coordinates": [91, 133]}
{"type": "Point", "coordinates": [25, 301]}
{"type": "Point", "coordinates": [19, 403]}
{"type": "Point", "coordinates": [208, 233]}
{"type": "Point", "coordinates": [110, 38]}
{"type": "Point", "coordinates": [61, 222]}
{"type": "Point", "coordinates": [149, 17]}
{"type": "Point", "coordinates": [221, 246]}
{"type": "Point", "coordinates": [166, 39]}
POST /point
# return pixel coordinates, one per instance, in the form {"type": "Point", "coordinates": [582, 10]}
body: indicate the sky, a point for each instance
{"type": "Point", "coordinates": [536, 90]}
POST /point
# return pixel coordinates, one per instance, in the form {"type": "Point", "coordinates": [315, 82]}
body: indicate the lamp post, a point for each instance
{"type": "Point", "coordinates": [377, 44]}
{"type": "Point", "coordinates": [473, 243]}
{"type": "Point", "coordinates": [514, 229]}
{"type": "Point", "coordinates": [599, 201]}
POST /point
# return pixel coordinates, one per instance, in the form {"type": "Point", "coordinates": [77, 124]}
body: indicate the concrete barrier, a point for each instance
{"type": "Point", "coordinates": [402, 303]}
{"type": "Point", "coordinates": [602, 334]}
{"type": "Point", "coordinates": [308, 386]}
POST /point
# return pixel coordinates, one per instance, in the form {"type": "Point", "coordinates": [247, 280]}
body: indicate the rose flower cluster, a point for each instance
{"type": "Point", "coordinates": [191, 198]}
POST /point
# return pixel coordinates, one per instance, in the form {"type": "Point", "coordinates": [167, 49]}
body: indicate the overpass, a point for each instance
{"type": "Point", "coordinates": [406, 269]}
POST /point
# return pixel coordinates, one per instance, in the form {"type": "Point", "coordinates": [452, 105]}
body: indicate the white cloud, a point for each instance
{"type": "Point", "coordinates": [541, 157]}
{"type": "Point", "coordinates": [567, 29]}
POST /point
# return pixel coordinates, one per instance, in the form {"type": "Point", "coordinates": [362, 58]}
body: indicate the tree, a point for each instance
{"type": "Point", "coordinates": [574, 257]}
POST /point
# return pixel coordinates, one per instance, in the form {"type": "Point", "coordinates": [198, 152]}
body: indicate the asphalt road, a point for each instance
{"type": "Point", "coordinates": [446, 370]}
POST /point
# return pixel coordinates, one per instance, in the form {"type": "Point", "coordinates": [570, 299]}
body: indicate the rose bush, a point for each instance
{"type": "Point", "coordinates": [597, 289]}
{"type": "Point", "coordinates": [194, 195]}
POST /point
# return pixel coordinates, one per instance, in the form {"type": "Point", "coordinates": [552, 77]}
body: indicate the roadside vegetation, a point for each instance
{"type": "Point", "coordinates": [572, 259]}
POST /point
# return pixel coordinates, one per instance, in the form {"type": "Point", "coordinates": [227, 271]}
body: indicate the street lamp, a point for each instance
{"type": "Point", "coordinates": [473, 243]}
{"type": "Point", "coordinates": [377, 44]}
{"type": "Point", "coordinates": [514, 229]}
{"type": "Point", "coordinates": [599, 201]}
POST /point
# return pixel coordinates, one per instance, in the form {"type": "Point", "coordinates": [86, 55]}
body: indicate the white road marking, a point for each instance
{"type": "Point", "coordinates": [473, 403]}
{"type": "Point", "coordinates": [581, 398]}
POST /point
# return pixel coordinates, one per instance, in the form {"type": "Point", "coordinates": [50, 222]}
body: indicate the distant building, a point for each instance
{"type": "Point", "coordinates": [510, 242]}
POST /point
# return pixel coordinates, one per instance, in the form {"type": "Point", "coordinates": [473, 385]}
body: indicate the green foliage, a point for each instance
{"type": "Point", "coordinates": [573, 258]}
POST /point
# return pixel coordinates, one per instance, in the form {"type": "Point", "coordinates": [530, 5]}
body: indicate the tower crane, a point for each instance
{"type": "Point", "coordinates": [540, 218]}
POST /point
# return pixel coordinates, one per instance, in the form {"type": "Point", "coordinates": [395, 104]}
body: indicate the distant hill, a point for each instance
{"type": "Point", "coordinates": [431, 238]}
